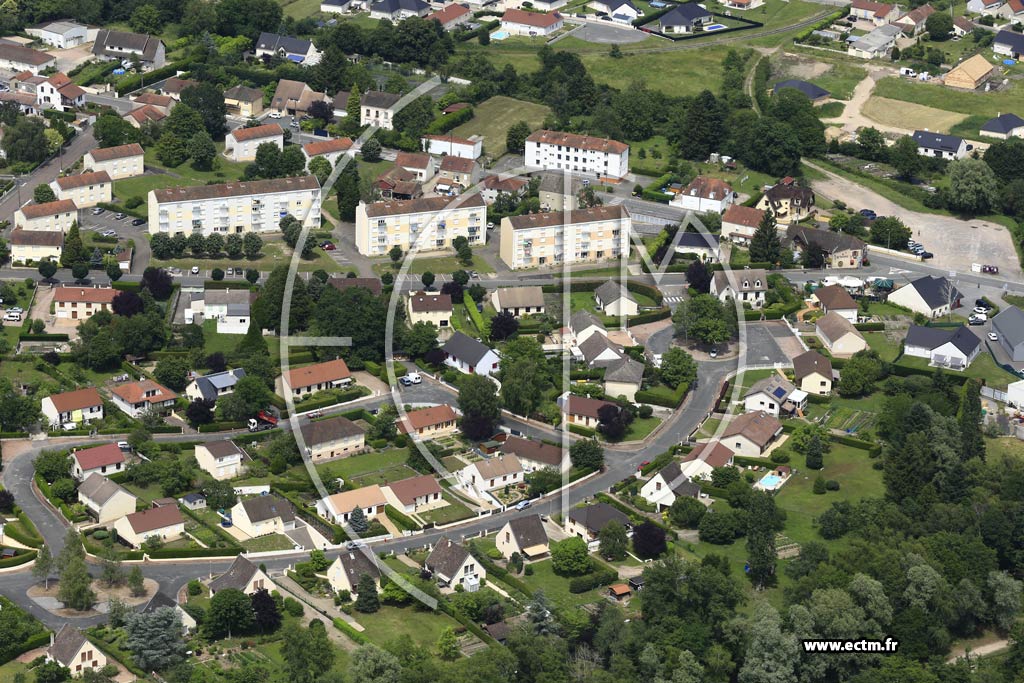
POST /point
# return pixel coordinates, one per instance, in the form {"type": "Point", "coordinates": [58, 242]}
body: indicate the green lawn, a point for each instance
{"type": "Point", "coordinates": [182, 175]}
{"type": "Point", "coordinates": [840, 79]}
{"type": "Point", "coordinates": [851, 467]}
{"type": "Point", "coordinates": [300, 9]}
{"type": "Point", "coordinates": [492, 119]}
{"type": "Point", "coordinates": [556, 588]}
{"type": "Point", "coordinates": [388, 474]}
{"type": "Point", "coordinates": [984, 367]}
{"type": "Point", "coordinates": [656, 153]}
{"type": "Point", "coordinates": [887, 310]}
{"type": "Point", "coordinates": [390, 623]}
{"type": "Point", "coordinates": [452, 513]}
{"type": "Point", "coordinates": [214, 341]}
{"type": "Point", "coordinates": [640, 428]}
{"type": "Point", "coordinates": [273, 254]}
{"type": "Point", "coordinates": [436, 265]}
{"type": "Point", "coordinates": [1007, 445]}
{"type": "Point", "coordinates": [362, 465]}
{"type": "Point", "coordinates": [986, 104]}
{"type": "Point", "coordinates": [11, 669]}
{"type": "Point", "coordinates": [271, 542]}
{"type": "Point", "coordinates": [887, 348]}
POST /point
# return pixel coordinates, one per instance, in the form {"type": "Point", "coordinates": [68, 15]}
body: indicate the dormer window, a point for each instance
{"type": "Point", "coordinates": [746, 284]}
{"type": "Point", "coordinates": [757, 284]}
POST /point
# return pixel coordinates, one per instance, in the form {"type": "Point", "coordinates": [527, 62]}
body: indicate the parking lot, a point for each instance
{"type": "Point", "coordinates": [771, 342]}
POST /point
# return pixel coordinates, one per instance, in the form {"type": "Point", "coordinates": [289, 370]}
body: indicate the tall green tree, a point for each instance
{"type": "Point", "coordinates": [155, 639]}
{"type": "Point", "coordinates": [969, 417]}
{"type": "Point", "coordinates": [904, 157]}
{"type": "Point", "coordinates": [75, 589]}
{"type": "Point", "coordinates": [353, 109]}
{"type": "Point", "coordinates": [43, 566]}
{"type": "Point", "coordinates": [613, 542]}
{"type": "Point", "coordinates": [480, 406]}
{"type": "Point", "coordinates": [74, 250]}
{"type": "Point", "coordinates": [702, 129]}
{"type": "Point", "coordinates": [973, 187]}
{"type": "Point", "coordinates": [523, 375]}
{"type": "Point", "coordinates": [43, 193]}
{"type": "Point", "coordinates": [772, 654]}
{"type": "Point", "coordinates": [765, 246]}
{"type": "Point", "coordinates": [515, 138]}
{"type": "Point", "coordinates": [202, 151]}
{"type": "Point", "coordinates": [367, 600]}
{"type": "Point", "coordinates": [348, 192]}
{"type": "Point", "coordinates": [230, 613]}
{"type": "Point", "coordinates": [207, 99]}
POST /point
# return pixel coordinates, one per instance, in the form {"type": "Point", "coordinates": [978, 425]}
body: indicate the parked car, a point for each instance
{"type": "Point", "coordinates": [120, 216]}
{"type": "Point", "coordinates": [415, 378]}
{"type": "Point", "coordinates": [992, 336]}
{"type": "Point", "coordinates": [983, 310]}
{"type": "Point", "coordinates": [926, 255]}
{"type": "Point", "coordinates": [522, 505]}
{"type": "Point", "coordinates": [868, 213]}
{"type": "Point", "coordinates": [405, 381]}
{"type": "Point", "coordinates": [328, 246]}
{"type": "Point", "coordinates": [977, 320]}
{"type": "Point", "coordinates": [475, 275]}
{"type": "Point", "coordinates": [994, 270]}
{"type": "Point", "coordinates": [195, 270]}
{"type": "Point", "coordinates": [12, 317]}
{"type": "Point", "coordinates": [139, 221]}
{"type": "Point", "coordinates": [230, 271]}
{"type": "Point", "coordinates": [275, 114]}
{"type": "Point", "coordinates": [353, 545]}
{"type": "Point", "coordinates": [98, 210]}
{"type": "Point", "coordinates": [983, 304]}
{"type": "Point", "coordinates": [109, 233]}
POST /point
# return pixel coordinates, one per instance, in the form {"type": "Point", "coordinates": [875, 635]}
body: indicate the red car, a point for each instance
{"type": "Point", "coordinates": [328, 246]}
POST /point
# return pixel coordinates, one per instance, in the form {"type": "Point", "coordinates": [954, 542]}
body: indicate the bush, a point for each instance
{"type": "Point", "coordinates": [528, 570]}
{"type": "Point", "coordinates": [582, 584]}
{"type": "Point", "coordinates": [832, 485]}
{"type": "Point", "coordinates": [819, 485]}
{"type": "Point", "coordinates": [195, 587]}
{"type": "Point", "coordinates": [293, 607]}
{"type": "Point", "coordinates": [779, 457]}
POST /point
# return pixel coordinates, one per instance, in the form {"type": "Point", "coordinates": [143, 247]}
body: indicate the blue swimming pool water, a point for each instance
{"type": "Point", "coordinates": [714, 27]}
{"type": "Point", "coordinates": [499, 35]}
{"type": "Point", "coordinates": [771, 481]}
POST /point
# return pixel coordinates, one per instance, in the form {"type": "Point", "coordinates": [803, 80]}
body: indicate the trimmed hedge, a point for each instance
{"type": "Point", "coordinates": [220, 427]}
{"type": "Point", "coordinates": [31, 643]}
{"type": "Point", "coordinates": [34, 541]}
{"type": "Point", "coordinates": [581, 431]}
{"type": "Point", "coordinates": [344, 627]}
{"type": "Point", "coordinates": [650, 397]}
{"type": "Point", "coordinates": [401, 520]}
{"type": "Point", "coordinates": [130, 83]}
{"type": "Point", "coordinates": [650, 317]}
{"type": "Point", "coordinates": [602, 577]}
{"type": "Point", "coordinates": [165, 553]}
{"type": "Point", "coordinates": [23, 558]}
{"type": "Point", "coordinates": [870, 327]}
{"type": "Point", "coordinates": [447, 122]}
{"type": "Point", "coordinates": [43, 337]}
{"type": "Point", "coordinates": [343, 397]}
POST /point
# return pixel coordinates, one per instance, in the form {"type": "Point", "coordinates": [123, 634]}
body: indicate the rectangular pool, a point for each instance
{"type": "Point", "coordinates": [715, 27]}
{"type": "Point", "coordinates": [770, 482]}
{"type": "Point", "coordinates": [499, 35]}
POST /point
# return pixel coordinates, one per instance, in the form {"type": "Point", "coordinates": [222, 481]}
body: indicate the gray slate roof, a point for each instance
{"type": "Point", "coordinates": [275, 42]}
{"type": "Point", "coordinates": [210, 385]}
{"type": "Point", "coordinates": [324, 431]}
{"type": "Point", "coordinates": [528, 531]}
{"type": "Point", "coordinates": [262, 508]}
{"type": "Point", "coordinates": [1004, 124]}
{"type": "Point", "coordinates": [624, 370]}
{"type": "Point", "coordinates": [596, 344]}
{"type": "Point", "coordinates": [237, 575]}
{"type": "Point", "coordinates": [936, 291]}
{"type": "Point", "coordinates": [698, 240]}
{"type": "Point", "coordinates": [446, 557]}
{"type": "Point", "coordinates": [1009, 322]}
{"type": "Point", "coordinates": [159, 601]}
{"type": "Point", "coordinates": [66, 644]}
{"type": "Point", "coordinates": [810, 362]}
{"type": "Point", "coordinates": [1011, 38]}
{"type": "Point", "coordinates": [612, 291]}
{"type": "Point", "coordinates": [136, 42]}
{"type": "Point", "coordinates": [828, 240]}
{"type": "Point", "coordinates": [937, 141]}
{"type": "Point", "coordinates": [775, 386]}
{"type": "Point", "coordinates": [377, 98]}
{"type": "Point", "coordinates": [99, 489]}
{"type": "Point", "coordinates": [465, 348]}
{"type": "Point", "coordinates": [582, 319]}
{"type": "Point", "coordinates": [597, 516]}
{"type": "Point", "coordinates": [685, 15]}
{"type": "Point", "coordinates": [393, 6]}
{"type": "Point", "coordinates": [356, 563]}
{"type": "Point", "coordinates": [932, 338]}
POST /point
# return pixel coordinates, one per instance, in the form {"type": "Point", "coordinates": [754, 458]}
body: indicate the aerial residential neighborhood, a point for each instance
{"type": "Point", "coordinates": [381, 341]}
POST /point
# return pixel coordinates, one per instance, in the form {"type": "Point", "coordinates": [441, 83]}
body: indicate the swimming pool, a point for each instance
{"type": "Point", "coordinates": [715, 27]}
{"type": "Point", "coordinates": [770, 482]}
{"type": "Point", "coordinates": [499, 35]}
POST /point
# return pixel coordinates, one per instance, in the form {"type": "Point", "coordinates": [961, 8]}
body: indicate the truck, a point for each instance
{"type": "Point", "coordinates": [263, 421]}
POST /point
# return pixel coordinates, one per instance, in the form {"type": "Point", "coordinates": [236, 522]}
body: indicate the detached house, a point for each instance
{"type": "Point", "coordinates": [452, 16]}
{"type": "Point", "coordinates": [340, 506]}
{"type": "Point", "coordinates": [1009, 326]}
{"type": "Point", "coordinates": [349, 567]}
{"type": "Point", "coordinates": [518, 301]}
{"type": "Point", "coordinates": [81, 302]}
{"type": "Point", "coordinates": [103, 460]}
{"type": "Point", "coordinates": [213, 386]}
{"type": "Point", "coordinates": [751, 434]}
{"type": "Point", "coordinates": [776, 396]}
{"type": "Point", "coordinates": [332, 150]}
{"type": "Point", "coordinates": [835, 299]}
{"type": "Point", "coordinates": [614, 299]}
{"type": "Point", "coordinates": [534, 455]}
{"type": "Point", "coordinates": [335, 437]}
{"type": "Point", "coordinates": [165, 523]}
{"type": "Point", "coordinates": [123, 161]}
{"type": "Point", "coordinates": [813, 373]}
{"type": "Point", "coordinates": [220, 459]}
{"type": "Point", "coordinates": [452, 565]}
{"type": "Point", "coordinates": [125, 46]}
{"type": "Point", "coordinates": [456, 172]}
{"type": "Point", "coordinates": [83, 405]}
{"type": "Point", "coordinates": [686, 18]}
{"type": "Point", "coordinates": [587, 522]}
{"type": "Point", "coordinates": [1003, 127]}
{"type": "Point", "coordinates": [875, 12]}
{"type": "Point", "coordinates": [703, 460]}
{"type": "Point", "coordinates": [930, 295]}
{"type": "Point", "coordinates": [939, 145]}
{"type": "Point", "coordinates": [85, 189]}
{"type": "Point", "coordinates": [748, 286]}
{"type": "Point", "coordinates": [243, 102]}
{"type": "Point", "coordinates": [582, 325]}
{"type": "Point", "coordinates": [598, 351]}
{"type": "Point", "coordinates": [954, 349]}
{"type": "Point", "coordinates": [242, 575]}
{"type": "Point", "coordinates": [839, 335]}
{"type": "Point", "coordinates": [286, 47]}
{"type": "Point", "coordinates": [70, 649]}
{"type": "Point", "coordinates": [523, 535]}
{"type": "Point", "coordinates": [739, 223]}
{"type": "Point", "coordinates": [791, 203]}
{"type": "Point", "coordinates": [420, 165]}
{"type": "Point", "coordinates": [58, 92]}
{"type": "Point", "coordinates": [310, 379]}
{"type": "Point", "coordinates": [241, 144]}
{"type": "Point", "coordinates": [623, 377]}
{"type": "Point", "coordinates": [913, 22]}
{"type": "Point", "coordinates": [583, 410]}
{"type": "Point", "coordinates": [105, 500]}
{"type": "Point", "coordinates": [397, 10]}
{"type": "Point", "coordinates": [32, 246]}
{"type": "Point", "coordinates": [841, 250]}
{"type": "Point", "coordinates": [424, 307]}
{"type": "Point", "coordinates": [492, 474]}
{"type": "Point", "coordinates": [135, 398]}
{"type": "Point", "coordinates": [519, 22]}
{"type": "Point", "coordinates": [433, 422]}
{"type": "Point", "coordinates": [704, 245]}
{"type": "Point", "coordinates": [469, 356]}
{"type": "Point", "coordinates": [415, 494]}
{"type": "Point", "coordinates": [669, 483]}
{"type": "Point", "coordinates": [378, 108]}
{"type": "Point", "coordinates": [704, 195]}
{"type": "Point", "coordinates": [17, 59]}
{"type": "Point", "coordinates": [1009, 44]}
{"type": "Point", "coordinates": [263, 515]}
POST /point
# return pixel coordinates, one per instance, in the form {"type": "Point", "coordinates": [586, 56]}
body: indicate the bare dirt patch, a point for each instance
{"type": "Point", "coordinates": [895, 113]}
{"type": "Point", "coordinates": [43, 595]}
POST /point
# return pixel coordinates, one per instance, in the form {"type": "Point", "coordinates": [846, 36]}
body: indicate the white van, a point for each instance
{"type": "Point", "coordinates": [907, 71]}
{"type": "Point", "coordinates": [12, 317]}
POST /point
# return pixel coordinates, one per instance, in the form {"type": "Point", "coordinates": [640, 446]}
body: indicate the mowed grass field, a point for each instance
{"type": "Point", "coordinates": [987, 104]}
{"type": "Point", "coordinates": [889, 112]}
{"type": "Point", "coordinates": [494, 117]}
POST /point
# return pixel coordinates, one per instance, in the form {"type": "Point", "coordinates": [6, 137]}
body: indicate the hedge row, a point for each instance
{"type": "Point", "coordinates": [650, 316]}
{"type": "Point", "coordinates": [43, 337]}
{"type": "Point", "coordinates": [870, 327]}
{"type": "Point", "coordinates": [593, 373]}
{"type": "Point", "coordinates": [587, 582]}
{"type": "Point", "coordinates": [116, 655]}
{"type": "Point", "coordinates": [581, 431]}
{"type": "Point", "coordinates": [659, 462]}
{"type": "Point", "coordinates": [401, 520]}
{"type": "Point", "coordinates": [220, 427]}
{"type": "Point", "coordinates": [338, 534]}
{"type": "Point", "coordinates": [118, 208]}
{"type": "Point", "coordinates": [343, 397]}
{"type": "Point", "coordinates": [824, 23]}
{"type": "Point", "coordinates": [130, 83]}
{"type": "Point", "coordinates": [33, 541]}
{"type": "Point", "coordinates": [345, 628]}
{"type": "Point", "coordinates": [31, 643]}
{"type": "Point", "coordinates": [500, 572]}
{"type": "Point", "coordinates": [448, 122]}
{"type": "Point", "coordinates": [165, 553]}
{"type": "Point", "coordinates": [650, 397]}
{"type": "Point", "coordinates": [23, 558]}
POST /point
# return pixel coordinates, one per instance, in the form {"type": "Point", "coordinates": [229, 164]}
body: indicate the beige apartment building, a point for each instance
{"type": "Point", "coordinates": [123, 161]}
{"type": "Point", "coordinates": [85, 189]}
{"type": "Point", "coordinates": [382, 225]}
{"type": "Point", "coordinates": [540, 239]}
{"type": "Point", "coordinates": [50, 216]}
{"type": "Point", "coordinates": [253, 206]}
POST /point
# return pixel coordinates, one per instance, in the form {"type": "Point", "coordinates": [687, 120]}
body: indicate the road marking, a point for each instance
{"type": "Point", "coordinates": [672, 299]}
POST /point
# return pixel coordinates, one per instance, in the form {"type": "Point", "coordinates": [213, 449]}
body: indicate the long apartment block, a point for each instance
{"type": "Point", "coordinates": [252, 206]}
{"type": "Point", "coordinates": [428, 224]}
{"type": "Point", "coordinates": [557, 237]}
{"type": "Point", "coordinates": [553, 150]}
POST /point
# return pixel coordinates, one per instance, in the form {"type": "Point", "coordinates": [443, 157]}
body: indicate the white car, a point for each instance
{"type": "Point", "coordinates": [981, 310]}
{"type": "Point", "coordinates": [195, 270]}
{"type": "Point", "coordinates": [12, 317]}
{"type": "Point", "coordinates": [992, 336]}
{"type": "Point", "coordinates": [275, 114]}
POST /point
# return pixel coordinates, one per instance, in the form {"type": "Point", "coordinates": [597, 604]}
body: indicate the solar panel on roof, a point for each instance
{"type": "Point", "coordinates": [779, 392]}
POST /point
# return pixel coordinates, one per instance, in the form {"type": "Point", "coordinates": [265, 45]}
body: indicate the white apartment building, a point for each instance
{"type": "Point", "coordinates": [85, 189]}
{"type": "Point", "coordinates": [553, 150]}
{"type": "Point", "coordinates": [123, 161]}
{"type": "Point", "coordinates": [540, 239]}
{"type": "Point", "coordinates": [382, 225]}
{"type": "Point", "coordinates": [254, 206]}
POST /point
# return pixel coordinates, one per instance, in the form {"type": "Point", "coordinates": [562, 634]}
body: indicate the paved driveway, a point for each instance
{"type": "Point", "coordinates": [765, 341]}
{"type": "Point", "coordinates": [607, 33]}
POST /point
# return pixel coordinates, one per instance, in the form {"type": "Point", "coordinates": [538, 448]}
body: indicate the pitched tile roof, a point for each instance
{"type": "Point", "coordinates": [446, 557]}
{"type": "Point", "coordinates": [612, 291]}
{"type": "Point", "coordinates": [582, 319]}
{"type": "Point", "coordinates": [331, 146]}
{"type": "Point", "coordinates": [263, 508]}
{"type": "Point", "coordinates": [332, 429]}
{"type": "Point", "coordinates": [714, 454]}
{"type": "Point", "coordinates": [237, 576]}
{"type": "Point", "coordinates": [1004, 123]}
{"type": "Point", "coordinates": [113, 43]}
{"type": "Point", "coordinates": [454, 164]}
{"type": "Point", "coordinates": [450, 13]}
{"type": "Point", "coordinates": [235, 189]}
{"type": "Point", "coordinates": [96, 295]}
{"type": "Point", "coordinates": [707, 188]}
{"type": "Point", "coordinates": [379, 99]}
{"type": "Point", "coordinates": [834, 326]}
{"type": "Point", "coordinates": [70, 182]}
{"type": "Point", "coordinates": [835, 298]}
{"type": "Point", "coordinates": [119, 152]}
{"type": "Point", "coordinates": [1009, 323]}
{"type": "Point", "coordinates": [355, 563]}
{"type": "Point", "coordinates": [243, 94]}
{"type": "Point", "coordinates": [146, 113]}
{"type": "Point", "coordinates": [98, 456]}
{"type": "Point", "coordinates": [99, 489]}
{"type": "Point", "coordinates": [40, 238]}
{"type": "Point", "coordinates": [624, 370]}
{"type": "Point", "coordinates": [528, 531]}
{"type": "Point", "coordinates": [424, 302]}
{"type": "Point", "coordinates": [365, 497]}
{"type": "Point", "coordinates": [24, 55]}
{"type": "Point", "coordinates": [499, 184]}
{"type": "Point", "coordinates": [76, 400]}
{"type": "Point", "coordinates": [501, 466]}
{"type": "Point", "coordinates": [66, 644]}
{"type": "Point", "coordinates": [586, 406]}
{"type": "Point", "coordinates": [152, 519]}
{"type": "Point", "coordinates": [427, 417]}
{"type": "Point", "coordinates": [828, 240]}
{"type": "Point", "coordinates": [465, 348]}
{"type": "Point", "coordinates": [758, 427]}
{"type": "Point", "coordinates": [518, 297]}
{"type": "Point", "coordinates": [811, 362]}
{"type": "Point", "coordinates": [534, 451]}
{"type": "Point", "coordinates": [937, 141]}
{"type": "Point", "coordinates": [399, 207]}
{"type": "Point", "coordinates": [597, 516]}
{"type": "Point", "coordinates": [318, 373]}
{"type": "Point", "coordinates": [267, 130]}
{"type": "Point", "coordinates": [224, 448]}
{"type": "Point", "coordinates": [135, 392]}
{"type": "Point", "coordinates": [152, 98]}
{"type": "Point", "coordinates": [588, 142]}
{"type": "Point", "coordinates": [413, 160]}
{"type": "Point", "coordinates": [575, 217]}
{"type": "Point", "coordinates": [936, 291]}
{"type": "Point", "coordinates": [408, 490]}
{"type": "Point", "coordinates": [746, 280]}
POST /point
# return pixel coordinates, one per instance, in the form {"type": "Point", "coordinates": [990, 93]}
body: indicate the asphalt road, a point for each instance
{"type": "Point", "coordinates": [45, 174]}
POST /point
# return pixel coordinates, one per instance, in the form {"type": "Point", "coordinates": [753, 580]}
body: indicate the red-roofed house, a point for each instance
{"type": "Point", "coordinates": [519, 22]}
{"type": "Point", "coordinates": [312, 378]}
{"type": "Point", "coordinates": [332, 150]}
{"type": "Point", "coordinates": [420, 165]}
{"type": "Point", "coordinates": [58, 92]}
{"type": "Point", "coordinates": [583, 411]}
{"type": "Point", "coordinates": [705, 194]}
{"type": "Point", "coordinates": [135, 398]}
{"type": "Point", "coordinates": [458, 171]}
{"type": "Point", "coordinates": [241, 144]}
{"type": "Point", "coordinates": [430, 423]}
{"type": "Point", "coordinates": [739, 223]}
{"type": "Point", "coordinates": [452, 16]}
{"type": "Point", "coordinates": [105, 460]}
{"type": "Point", "coordinates": [912, 23]}
{"type": "Point", "coordinates": [84, 405]}
{"type": "Point", "coordinates": [56, 216]}
{"type": "Point", "coordinates": [144, 114]}
{"type": "Point", "coordinates": [165, 523]}
{"type": "Point", "coordinates": [415, 494]}
{"type": "Point", "coordinates": [875, 12]}
{"type": "Point", "coordinates": [79, 302]}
